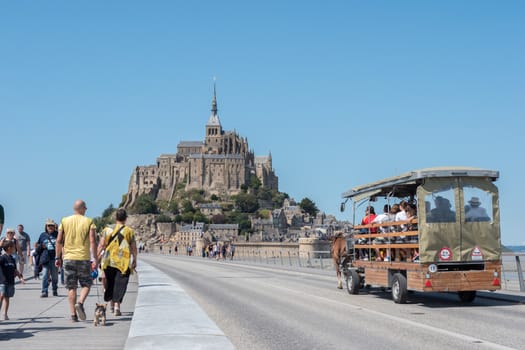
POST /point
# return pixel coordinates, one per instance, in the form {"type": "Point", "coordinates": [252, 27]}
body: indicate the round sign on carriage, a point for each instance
{"type": "Point", "coordinates": [445, 254]}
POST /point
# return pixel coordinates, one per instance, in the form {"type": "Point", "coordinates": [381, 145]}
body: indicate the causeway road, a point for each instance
{"type": "Point", "coordinates": [267, 307]}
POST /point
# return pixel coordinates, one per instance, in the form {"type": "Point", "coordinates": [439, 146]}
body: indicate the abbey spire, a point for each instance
{"type": "Point", "coordinates": [214, 117]}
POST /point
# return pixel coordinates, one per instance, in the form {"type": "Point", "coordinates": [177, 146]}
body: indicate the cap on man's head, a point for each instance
{"type": "Point", "coordinates": [474, 201]}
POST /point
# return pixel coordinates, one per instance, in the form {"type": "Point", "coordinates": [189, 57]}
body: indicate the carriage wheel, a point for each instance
{"type": "Point", "coordinates": [467, 296]}
{"type": "Point", "coordinates": [352, 282]}
{"type": "Point", "coordinates": [399, 289]}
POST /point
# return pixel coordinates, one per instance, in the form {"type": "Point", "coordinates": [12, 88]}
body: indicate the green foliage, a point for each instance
{"type": "Point", "coordinates": [187, 207]}
{"type": "Point", "coordinates": [243, 219]}
{"type": "Point", "coordinates": [108, 211]}
{"type": "Point", "coordinates": [178, 218]}
{"type": "Point", "coordinates": [278, 198]}
{"type": "Point", "coordinates": [200, 217]}
{"type": "Point", "coordinates": [244, 188]}
{"type": "Point", "coordinates": [196, 195]}
{"type": "Point", "coordinates": [187, 216]}
{"type": "Point", "coordinates": [180, 186]}
{"type": "Point", "coordinates": [145, 205]}
{"type": "Point", "coordinates": [123, 200]}
{"type": "Point", "coordinates": [308, 206]}
{"type": "Point", "coordinates": [214, 197]}
{"type": "Point", "coordinates": [163, 218]}
{"type": "Point", "coordinates": [264, 194]}
{"type": "Point", "coordinates": [173, 207]}
{"type": "Point", "coordinates": [264, 213]}
{"type": "Point", "coordinates": [254, 182]}
{"type": "Point", "coordinates": [246, 202]}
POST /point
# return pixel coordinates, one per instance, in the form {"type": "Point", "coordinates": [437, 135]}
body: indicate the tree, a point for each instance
{"type": "Point", "coordinates": [247, 202]}
{"type": "Point", "coordinates": [173, 207]}
{"type": "Point", "coordinates": [187, 206]}
{"type": "Point", "coordinates": [108, 211]}
{"type": "Point", "coordinates": [145, 205]}
{"type": "Point", "coordinates": [254, 182]}
{"type": "Point", "coordinates": [163, 218]}
{"type": "Point", "coordinates": [308, 206]}
{"type": "Point", "coordinates": [278, 198]}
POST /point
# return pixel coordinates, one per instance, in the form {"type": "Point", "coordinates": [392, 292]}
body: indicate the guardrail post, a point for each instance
{"type": "Point", "coordinates": [281, 256]}
{"type": "Point", "coordinates": [299, 258]}
{"type": "Point", "coordinates": [520, 274]}
{"type": "Point", "coordinates": [267, 261]}
{"type": "Point", "coordinates": [289, 258]}
{"type": "Point", "coordinates": [321, 260]}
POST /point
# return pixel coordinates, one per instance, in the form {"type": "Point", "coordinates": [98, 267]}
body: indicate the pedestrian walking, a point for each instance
{"type": "Point", "coordinates": [2, 218]}
{"type": "Point", "coordinates": [76, 244]}
{"type": "Point", "coordinates": [119, 250]}
{"type": "Point", "coordinates": [8, 272]}
{"type": "Point", "coordinates": [47, 253]}
{"type": "Point", "coordinates": [25, 247]}
{"type": "Point", "coordinates": [10, 236]}
{"type": "Point", "coordinates": [34, 263]}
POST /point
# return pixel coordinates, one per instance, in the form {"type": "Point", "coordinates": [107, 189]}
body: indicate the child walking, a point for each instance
{"type": "Point", "coordinates": [7, 276]}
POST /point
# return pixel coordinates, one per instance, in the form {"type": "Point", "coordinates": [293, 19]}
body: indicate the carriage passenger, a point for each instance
{"type": "Point", "coordinates": [386, 216]}
{"type": "Point", "coordinates": [370, 215]}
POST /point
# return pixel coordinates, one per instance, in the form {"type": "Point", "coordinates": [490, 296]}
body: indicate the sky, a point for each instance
{"type": "Point", "coordinates": [341, 93]}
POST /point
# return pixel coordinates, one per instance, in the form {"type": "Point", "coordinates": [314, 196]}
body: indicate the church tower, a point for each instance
{"type": "Point", "coordinates": [213, 128]}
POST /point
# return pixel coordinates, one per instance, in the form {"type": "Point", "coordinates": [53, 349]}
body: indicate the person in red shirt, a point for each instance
{"type": "Point", "coordinates": [370, 215]}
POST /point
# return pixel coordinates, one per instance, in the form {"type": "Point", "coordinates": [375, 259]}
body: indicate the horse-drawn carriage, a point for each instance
{"type": "Point", "coordinates": [452, 245]}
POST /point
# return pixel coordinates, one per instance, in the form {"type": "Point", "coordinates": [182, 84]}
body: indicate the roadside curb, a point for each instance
{"type": "Point", "coordinates": [166, 317]}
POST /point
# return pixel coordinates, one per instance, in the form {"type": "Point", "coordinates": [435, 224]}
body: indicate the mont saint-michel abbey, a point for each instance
{"type": "Point", "coordinates": [219, 165]}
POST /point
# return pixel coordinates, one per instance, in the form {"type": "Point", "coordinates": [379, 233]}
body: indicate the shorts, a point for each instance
{"type": "Point", "coordinates": [7, 290]}
{"type": "Point", "coordinates": [77, 272]}
{"type": "Point", "coordinates": [22, 258]}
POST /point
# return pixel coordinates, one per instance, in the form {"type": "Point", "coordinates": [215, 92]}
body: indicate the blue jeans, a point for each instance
{"type": "Point", "coordinates": [51, 269]}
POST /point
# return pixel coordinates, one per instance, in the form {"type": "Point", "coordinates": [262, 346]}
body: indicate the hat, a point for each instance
{"type": "Point", "coordinates": [12, 230]}
{"type": "Point", "coordinates": [50, 222]}
{"type": "Point", "coordinates": [474, 201]}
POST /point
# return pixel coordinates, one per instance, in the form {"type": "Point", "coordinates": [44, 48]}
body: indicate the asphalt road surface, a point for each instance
{"type": "Point", "coordinates": [266, 307]}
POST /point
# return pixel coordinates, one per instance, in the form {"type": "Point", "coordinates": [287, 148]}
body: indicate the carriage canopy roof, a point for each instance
{"type": "Point", "coordinates": [413, 178]}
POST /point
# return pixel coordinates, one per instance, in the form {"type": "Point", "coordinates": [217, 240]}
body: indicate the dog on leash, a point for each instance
{"type": "Point", "coordinates": [100, 315]}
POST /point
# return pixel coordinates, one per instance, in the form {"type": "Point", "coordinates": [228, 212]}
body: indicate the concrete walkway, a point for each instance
{"type": "Point", "coordinates": [45, 323]}
{"type": "Point", "coordinates": [156, 314]}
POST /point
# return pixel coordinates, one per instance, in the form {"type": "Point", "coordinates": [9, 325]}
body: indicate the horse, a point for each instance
{"type": "Point", "coordinates": [338, 251]}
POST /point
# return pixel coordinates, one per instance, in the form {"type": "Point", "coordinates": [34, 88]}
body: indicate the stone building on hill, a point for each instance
{"type": "Point", "coordinates": [220, 165]}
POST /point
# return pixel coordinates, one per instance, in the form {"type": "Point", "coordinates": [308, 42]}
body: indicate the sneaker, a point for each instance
{"type": "Point", "coordinates": [74, 318]}
{"type": "Point", "coordinates": [6, 318]}
{"type": "Point", "coordinates": [416, 258]}
{"type": "Point", "coordinates": [117, 312]}
{"type": "Point", "coordinates": [80, 311]}
{"type": "Point", "coordinates": [43, 295]}
{"type": "Point", "coordinates": [55, 293]}
{"type": "Point", "coordinates": [387, 258]}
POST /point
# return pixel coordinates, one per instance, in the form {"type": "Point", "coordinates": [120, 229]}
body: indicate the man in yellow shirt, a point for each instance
{"type": "Point", "coordinates": [76, 243]}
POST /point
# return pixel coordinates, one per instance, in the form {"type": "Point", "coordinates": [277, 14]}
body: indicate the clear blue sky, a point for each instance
{"type": "Point", "coordinates": [341, 92]}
